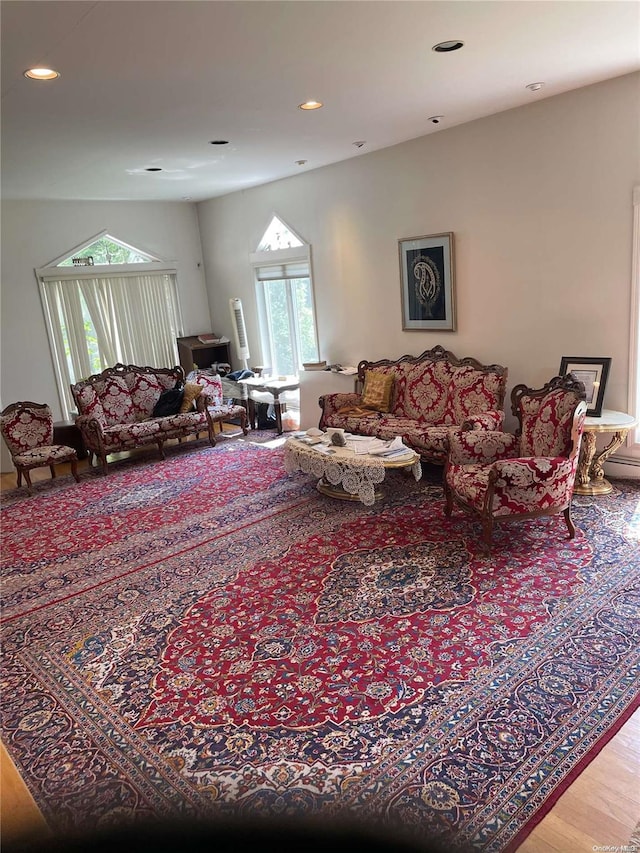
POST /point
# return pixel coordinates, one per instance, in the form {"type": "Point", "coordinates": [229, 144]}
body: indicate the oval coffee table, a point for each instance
{"type": "Point", "coordinates": [344, 474]}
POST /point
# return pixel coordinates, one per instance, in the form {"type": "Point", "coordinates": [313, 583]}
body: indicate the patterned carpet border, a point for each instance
{"type": "Point", "coordinates": [204, 636]}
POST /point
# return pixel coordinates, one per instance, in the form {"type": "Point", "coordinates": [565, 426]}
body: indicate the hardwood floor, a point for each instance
{"type": "Point", "coordinates": [599, 810]}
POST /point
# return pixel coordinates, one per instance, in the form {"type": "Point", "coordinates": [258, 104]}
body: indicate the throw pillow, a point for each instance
{"type": "Point", "coordinates": [191, 391]}
{"type": "Point", "coordinates": [377, 391]}
{"type": "Point", "coordinates": [169, 402]}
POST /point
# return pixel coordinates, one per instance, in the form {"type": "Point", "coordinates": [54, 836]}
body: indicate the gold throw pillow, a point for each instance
{"type": "Point", "coordinates": [191, 391]}
{"type": "Point", "coordinates": [377, 391]}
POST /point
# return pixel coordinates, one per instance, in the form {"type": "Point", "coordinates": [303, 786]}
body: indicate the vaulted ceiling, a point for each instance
{"type": "Point", "coordinates": [150, 84]}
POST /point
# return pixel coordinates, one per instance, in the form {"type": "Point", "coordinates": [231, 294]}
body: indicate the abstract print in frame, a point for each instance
{"type": "Point", "coordinates": [427, 281]}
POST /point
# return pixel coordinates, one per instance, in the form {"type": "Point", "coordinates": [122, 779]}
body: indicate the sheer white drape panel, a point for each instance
{"type": "Point", "coordinates": [68, 338]}
{"type": "Point", "coordinates": [96, 321]}
{"type": "Point", "coordinates": [136, 318]}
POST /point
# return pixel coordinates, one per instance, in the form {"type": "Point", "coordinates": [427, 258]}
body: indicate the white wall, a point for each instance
{"type": "Point", "coordinates": [539, 199]}
{"type": "Point", "coordinates": [35, 233]}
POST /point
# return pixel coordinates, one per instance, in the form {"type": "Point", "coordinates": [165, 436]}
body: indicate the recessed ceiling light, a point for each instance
{"type": "Point", "coordinates": [310, 105]}
{"type": "Point", "coordinates": [153, 169]}
{"type": "Point", "coordinates": [447, 46]}
{"type": "Point", "coordinates": [219, 142]}
{"type": "Point", "coordinates": [360, 143]}
{"type": "Point", "coordinates": [41, 74]}
{"type": "Point", "coordinates": [534, 87]}
{"type": "Point", "coordinates": [301, 162]}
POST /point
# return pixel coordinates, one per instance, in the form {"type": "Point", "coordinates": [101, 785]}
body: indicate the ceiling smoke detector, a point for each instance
{"type": "Point", "coordinates": [360, 143]}
{"type": "Point", "coordinates": [534, 87]}
{"type": "Point", "coordinates": [448, 46]}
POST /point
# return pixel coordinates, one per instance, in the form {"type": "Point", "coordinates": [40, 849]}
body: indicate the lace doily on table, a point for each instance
{"type": "Point", "coordinates": [356, 474]}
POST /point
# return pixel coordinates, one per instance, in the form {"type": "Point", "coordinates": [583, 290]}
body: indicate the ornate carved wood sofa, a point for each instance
{"type": "Point", "coordinates": [116, 409]}
{"type": "Point", "coordinates": [426, 398]}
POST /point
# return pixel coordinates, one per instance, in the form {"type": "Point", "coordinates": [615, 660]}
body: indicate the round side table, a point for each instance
{"type": "Point", "coordinates": [590, 479]}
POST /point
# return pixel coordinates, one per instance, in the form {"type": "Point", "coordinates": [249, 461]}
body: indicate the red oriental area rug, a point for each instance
{"type": "Point", "coordinates": [208, 636]}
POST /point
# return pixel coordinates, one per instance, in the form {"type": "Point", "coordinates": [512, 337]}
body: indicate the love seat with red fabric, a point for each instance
{"type": "Point", "coordinates": [422, 398]}
{"type": "Point", "coordinates": [116, 408]}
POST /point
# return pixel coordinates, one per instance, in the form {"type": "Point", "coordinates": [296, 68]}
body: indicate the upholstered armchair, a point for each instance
{"type": "Point", "coordinates": [504, 477]}
{"type": "Point", "coordinates": [27, 429]}
{"type": "Point", "coordinates": [211, 400]}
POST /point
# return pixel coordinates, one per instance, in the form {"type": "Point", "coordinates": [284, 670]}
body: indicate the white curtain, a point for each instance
{"type": "Point", "coordinates": [135, 318]}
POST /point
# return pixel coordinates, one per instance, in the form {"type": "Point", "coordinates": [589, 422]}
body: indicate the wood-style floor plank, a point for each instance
{"type": "Point", "coordinates": [20, 818]}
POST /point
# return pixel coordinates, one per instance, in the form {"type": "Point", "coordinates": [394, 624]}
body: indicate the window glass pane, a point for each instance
{"type": "Point", "coordinates": [106, 250]}
{"type": "Point", "coordinates": [279, 327]}
{"type": "Point", "coordinates": [303, 302]}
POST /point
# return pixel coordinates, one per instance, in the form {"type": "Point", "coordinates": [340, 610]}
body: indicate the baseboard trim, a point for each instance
{"type": "Point", "coordinates": [623, 466]}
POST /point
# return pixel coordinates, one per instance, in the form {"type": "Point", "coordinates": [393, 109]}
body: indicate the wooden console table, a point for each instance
{"type": "Point", "coordinates": [192, 351]}
{"type": "Point", "coordinates": [590, 479]}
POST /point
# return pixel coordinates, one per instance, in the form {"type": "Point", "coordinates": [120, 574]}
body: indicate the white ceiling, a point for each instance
{"type": "Point", "coordinates": [152, 82]}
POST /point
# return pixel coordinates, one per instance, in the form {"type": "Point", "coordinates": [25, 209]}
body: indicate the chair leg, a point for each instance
{"type": "Point", "coordinates": [74, 470]}
{"type": "Point", "coordinates": [569, 521]}
{"type": "Point", "coordinates": [19, 477]}
{"type": "Point", "coordinates": [27, 480]}
{"type": "Point", "coordinates": [487, 530]}
{"type": "Point", "coordinates": [103, 460]}
{"type": "Point", "coordinates": [52, 468]}
{"type": "Point", "coordinates": [448, 501]}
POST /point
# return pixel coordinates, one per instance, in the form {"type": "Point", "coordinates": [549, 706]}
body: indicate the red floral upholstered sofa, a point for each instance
{"type": "Point", "coordinates": [116, 408]}
{"type": "Point", "coordinates": [423, 398]}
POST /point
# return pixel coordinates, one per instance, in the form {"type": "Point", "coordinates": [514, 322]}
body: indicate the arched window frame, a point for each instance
{"type": "Point", "coordinates": [155, 307]}
{"type": "Point", "coordinates": [289, 258]}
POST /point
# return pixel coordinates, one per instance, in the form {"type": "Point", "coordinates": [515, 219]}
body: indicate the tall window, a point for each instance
{"type": "Point", "coordinates": [285, 300]}
{"type": "Point", "coordinates": [634, 360]}
{"type": "Point", "coordinates": [109, 303]}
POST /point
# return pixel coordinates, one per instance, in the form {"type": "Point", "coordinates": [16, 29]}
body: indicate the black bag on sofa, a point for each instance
{"type": "Point", "coordinates": [169, 401]}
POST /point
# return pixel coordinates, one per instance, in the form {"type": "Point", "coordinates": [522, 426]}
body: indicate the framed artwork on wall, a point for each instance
{"type": "Point", "coordinates": [427, 282]}
{"type": "Point", "coordinates": [593, 373]}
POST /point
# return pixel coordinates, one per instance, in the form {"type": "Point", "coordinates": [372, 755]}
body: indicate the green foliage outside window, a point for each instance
{"type": "Point", "coordinates": [105, 250]}
{"type": "Point", "coordinates": [281, 296]}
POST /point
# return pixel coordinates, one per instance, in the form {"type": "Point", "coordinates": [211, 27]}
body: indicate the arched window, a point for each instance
{"type": "Point", "coordinates": [284, 291]}
{"type": "Point", "coordinates": [107, 302]}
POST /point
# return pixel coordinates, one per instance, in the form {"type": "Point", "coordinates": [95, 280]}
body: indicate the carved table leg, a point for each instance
{"type": "Point", "coordinates": [590, 479]}
{"type": "Point", "coordinates": [587, 452]}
